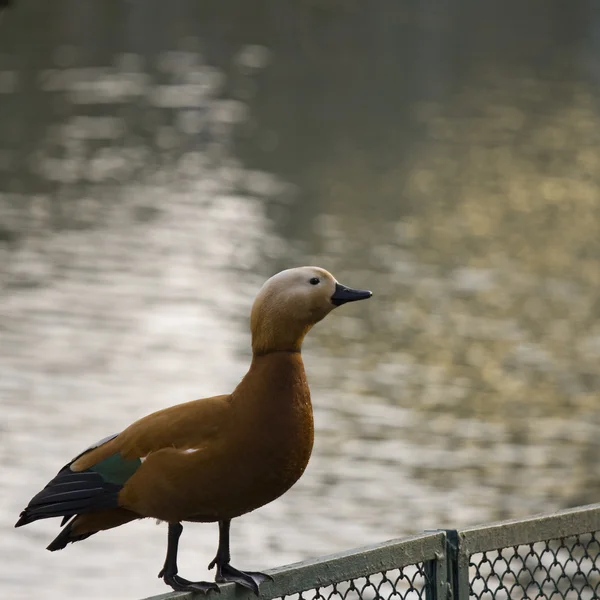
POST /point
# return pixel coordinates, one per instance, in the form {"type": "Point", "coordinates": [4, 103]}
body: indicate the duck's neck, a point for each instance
{"type": "Point", "coordinates": [270, 340]}
{"type": "Point", "coordinates": [275, 378]}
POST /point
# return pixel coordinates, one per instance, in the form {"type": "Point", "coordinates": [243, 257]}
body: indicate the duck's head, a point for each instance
{"type": "Point", "coordinates": [291, 302]}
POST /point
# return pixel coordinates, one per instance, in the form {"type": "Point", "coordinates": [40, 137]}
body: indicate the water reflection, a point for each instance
{"type": "Point", "coordinates": [150, 181]}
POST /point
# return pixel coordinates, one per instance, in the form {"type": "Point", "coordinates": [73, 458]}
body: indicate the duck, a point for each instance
{"type": "Point", "coordinates": [209, 460]}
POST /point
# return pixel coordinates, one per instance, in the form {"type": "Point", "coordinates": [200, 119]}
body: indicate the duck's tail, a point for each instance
{"type": "Point", "coordinates": [82, 526]}
{"type": "Point", "coordinates": [66, 536]}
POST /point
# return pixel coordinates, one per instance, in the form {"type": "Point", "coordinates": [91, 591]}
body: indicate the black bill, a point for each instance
{"type": "Point", "coordinates": [345, 294]}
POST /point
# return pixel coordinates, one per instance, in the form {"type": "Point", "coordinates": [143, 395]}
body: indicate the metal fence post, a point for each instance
{"type": "Point", "coordinates": [436, 573]}
{"type": "Point", "coordinates": [458, 566]}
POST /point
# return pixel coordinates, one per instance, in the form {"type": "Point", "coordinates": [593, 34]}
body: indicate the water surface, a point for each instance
{"type": "Point", "coordinates": [158, 162]}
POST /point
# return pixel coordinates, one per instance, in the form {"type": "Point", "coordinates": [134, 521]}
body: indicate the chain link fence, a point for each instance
{"type": "Point", "coordinates": [409, 583]}
{"type": "Point", "coordinates": [549, 557]}
{"type": "Point", "coordinates": [566, 568]}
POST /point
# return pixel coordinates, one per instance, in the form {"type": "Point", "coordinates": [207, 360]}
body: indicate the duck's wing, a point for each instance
{"type": "Point", "coordinates": [93, 479]}
{"type": "Point", "coordinates": [189, 425]}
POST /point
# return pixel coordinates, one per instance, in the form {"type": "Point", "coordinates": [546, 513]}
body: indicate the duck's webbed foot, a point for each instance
{"type": "Point", "coordinates": [248, 579]}
{"type": "Point", "coordinates": [227, 573]}
{"type": "Point", "coordinates": [169, 571]}
{"type": "Point", "coordinates": [180, 584]}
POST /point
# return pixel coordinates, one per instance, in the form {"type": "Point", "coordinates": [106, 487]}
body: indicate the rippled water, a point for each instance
{"type": "Point", "coordinates": [154, 173]}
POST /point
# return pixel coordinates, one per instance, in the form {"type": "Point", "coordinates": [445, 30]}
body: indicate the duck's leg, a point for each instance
{"type": "Point", "coordinates": [169, 570]}
{"type": "Point", "coordinates": [225, 572]}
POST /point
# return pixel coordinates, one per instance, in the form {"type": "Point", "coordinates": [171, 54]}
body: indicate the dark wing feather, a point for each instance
{"type": "Point", "coordinates": [71, 493]}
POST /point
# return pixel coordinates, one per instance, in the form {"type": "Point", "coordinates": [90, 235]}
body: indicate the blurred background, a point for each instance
{"type": "Point", "coordinates": [159, 160]}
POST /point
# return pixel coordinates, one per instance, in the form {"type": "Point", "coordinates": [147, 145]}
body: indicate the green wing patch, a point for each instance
{"type": "Point", "coordinates": [116, 469]}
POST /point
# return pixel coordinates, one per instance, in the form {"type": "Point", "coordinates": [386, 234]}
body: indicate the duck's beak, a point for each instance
{"type": "Point", "coordinates": [345, 294]}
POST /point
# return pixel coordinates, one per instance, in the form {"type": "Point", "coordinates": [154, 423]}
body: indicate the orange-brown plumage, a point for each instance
{"type": "Point", "coordinates": [233, 469]}
{"type": "Point", "coordinates": [212, 459]}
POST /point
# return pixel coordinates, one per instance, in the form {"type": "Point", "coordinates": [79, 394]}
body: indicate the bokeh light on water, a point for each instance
{"type": "Point", "coordinates": [159, 161]}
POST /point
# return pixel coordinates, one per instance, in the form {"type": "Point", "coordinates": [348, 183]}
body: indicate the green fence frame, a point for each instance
{"type": "Point", "coordinates": [446, 566]}
{"type": "Point", "coordinates": [525, 533]}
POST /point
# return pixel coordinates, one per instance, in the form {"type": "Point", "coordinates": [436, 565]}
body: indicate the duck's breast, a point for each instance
{"type": "Point", "coordinates": [273, 428]}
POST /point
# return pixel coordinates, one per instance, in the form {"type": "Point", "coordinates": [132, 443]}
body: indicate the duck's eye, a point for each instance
{"type": "Point", "coordinates": [314, 281]}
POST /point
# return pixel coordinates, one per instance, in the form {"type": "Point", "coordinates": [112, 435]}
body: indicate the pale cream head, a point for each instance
{"type": "Point", "coordinates": [291, 302]}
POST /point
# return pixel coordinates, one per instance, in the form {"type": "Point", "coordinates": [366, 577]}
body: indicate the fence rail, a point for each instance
{"type": "Point", "coordinates": [547, 556]}
{"type": "Point", "coordinates": [543, 557]}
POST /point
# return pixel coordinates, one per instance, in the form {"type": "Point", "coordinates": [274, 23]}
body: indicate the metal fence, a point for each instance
{"type": "Point", "coordinates": [552, 556]}
{"type": "Point", "coordinates": [544, 557]}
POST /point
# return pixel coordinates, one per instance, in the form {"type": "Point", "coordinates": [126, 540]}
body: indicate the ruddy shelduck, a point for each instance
{"type": "Point", "coordinates": [212, 459]}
